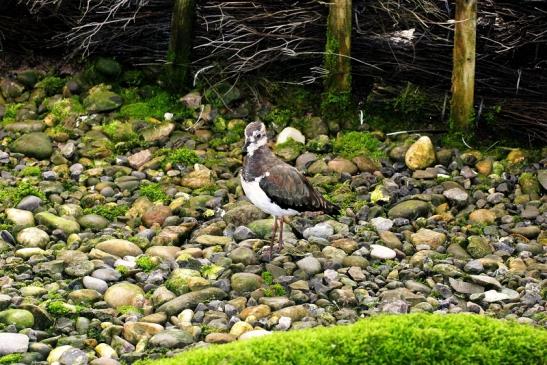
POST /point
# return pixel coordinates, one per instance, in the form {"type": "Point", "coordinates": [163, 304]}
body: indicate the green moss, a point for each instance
{"type": "Point", "coordinates": [387, 339]}
{"type": "Point", "coordinates": [267, 277]}
{"type": "Point", "coordinates": [129, 309]}
{"type": "Point", "coordinates": [109, 211]}
{"type": "Point", "coordinates": [338, 110]}
{"type": "Point", "coordinates": [61, 309]}
{"type": "Point", "coordinates": [11, 196]}
{"type": "Point", "coordinates": [124, 270]}
{"type": "Point", "coordinates": [51, 84]}
{"type": "Point", "coordinates": [153, 192]}
{"type": "Point", "coordinates": [11, 359]}
{"type": "Point", "coordinates": [10, 113]}
{"type": "Point", "coordinates": [183, 156]}
{"type": "Point", "coordinates": [146, 264]}
{"type": "Point", "coordinates": [30, 171]}
{"type": "Point", "coordinates": [64, 108]}
{"type": "Point", "coordinates": [278, 117]}
{"type": "Point", "coordinates": [178, 286]}
{"type": "Point", "coordinates": [155, 104]}
{"type": "Point", "coordinates": [353, 144]}
{"type": "Point", "coordinates": [275, 290]}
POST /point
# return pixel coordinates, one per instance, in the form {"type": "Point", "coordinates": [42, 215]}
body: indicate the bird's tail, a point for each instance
{"type": "Point", "coordinates": [330, 208]}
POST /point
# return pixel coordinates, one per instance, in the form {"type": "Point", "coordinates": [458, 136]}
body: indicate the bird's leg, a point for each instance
{"type": "Point", "coordinates": [280, 233]}
{"type": "Point", "coordinates": [273, 236]}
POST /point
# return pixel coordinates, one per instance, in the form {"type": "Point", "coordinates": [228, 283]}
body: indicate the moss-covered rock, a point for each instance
{"type": "Point", "coordinates": [36, 145]}
{"type": "Point", "coordinates": [102, 99]}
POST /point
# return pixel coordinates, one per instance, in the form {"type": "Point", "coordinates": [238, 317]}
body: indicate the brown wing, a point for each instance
{"type": "Point", "coordinates": [289, 189]}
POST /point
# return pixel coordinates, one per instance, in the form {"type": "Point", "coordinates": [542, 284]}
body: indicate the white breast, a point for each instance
{"type": "Point", "coordinates": [258, 197]}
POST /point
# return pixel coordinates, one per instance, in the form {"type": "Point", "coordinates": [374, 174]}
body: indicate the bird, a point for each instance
{"type": "Point", "coordinates": [274, 186]}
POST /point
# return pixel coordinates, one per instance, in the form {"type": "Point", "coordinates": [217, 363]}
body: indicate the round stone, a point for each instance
{"type": "Point", "coordinates": [33, 237]}
{"type": "Point", "coordinates": [123, 294]}
{"type": "Point", "coordinates": [382, 252]}
{"type": "Point", "coordinates": [119, 248]}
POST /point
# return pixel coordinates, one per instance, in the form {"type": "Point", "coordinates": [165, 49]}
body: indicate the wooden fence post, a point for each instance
{"type": "Point", "coordinates": [337, 63]}
{"type": "Point", "coordinates": [463, 72]}
{"type": "Point", "coordinates": [180, 44]}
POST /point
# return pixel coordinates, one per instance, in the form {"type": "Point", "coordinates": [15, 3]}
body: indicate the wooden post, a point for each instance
{"type": "Point", "coordinates": [336, 103]}
{"type": "Point", "coordinates": [180, 44]}
{"type": "Point", "coordinates": [463, 72]}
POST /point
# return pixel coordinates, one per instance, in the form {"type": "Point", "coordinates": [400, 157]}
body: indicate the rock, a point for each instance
{"type": "Point", "coordinates": [478, 247]}
{"type": "Point", "coordinates": [290, 133]}
{"type": "Point", "coordinates": [54, 222]}
{"type": "Point", "coordinates": [244, 214]}
{"type": "Point", "coordinates": [171, 339]}
{"type": "Point", "coordinates": [73, 356]}
{"type": "Point", "coordinates": [456, 195]}
{"type": "Point", "coordinates": [258, 312]}
{"type": "Point", "coordinates": [516, 156]}
{"type": "Point", "coordinates": [410, 209]}
{"type": "Point", "coordinates": [381, 224]}
{"type": "Point", "coordinates": [366, 164]}
{"type": "Point", "coordinates": [108, 67]}
{"type": "Point", "coordinates": [158, 132]}
{"type": "Point", "coordinates": [210, 240]}
{"type": "Point", "coordinates": [542, 178]}
{"type": "Point", "coordinates": [100, 99]}
{"type": "Point", "coordinates": [341, 165]}
{"type": "Point", "coordinates": [245, 282]}
{"type": "Point", "coordinates": [254, 334]}
{"type": "Point", "coordinates": [219, 338]}
{"type": "Point", "coordinates": [382, 252]}
{"type": "Point", "coordinates": [528, 232]}
{"type": "Point", "coordinates": [20, 318]}
{"type": "Point", "coordinates": [96, 284]}
{"type": "Point", "coordinates": [156, 214]}
{"type": "Point", "coordinates": [190, 300]}
{"type": "Point", "coordinates": [197, 179]}
{"type": "Point", "coordinates": [105, 351]}
{"type": "Point", "coordinates": [428, 237]}
{"type": "Point", "coordinates": [243, 255]}
{"type": "Point", "coordinates": [421, 154]}
{"type": "Point", "coordinates": [33, 237]}
{"type": "Point", "coordinates": [240, 328]}
{"type": "Point", "coordinates": [137, 331]}
{"type": "Point", "coordinates": [21, 218]}
{"type": "Point", "coordinates": [310, 265]}
{"type": "Point", "coordinates": [192, 100]}
{"type": "Point", "coordinates": [56, 353]}
{"type": "Point", "coordinates": [29, 202]}
{"type": "Point", "coordinates": [465, 288]}
{"type": "Point", "coordinates": [11, 89]}
{"type": "Point", "coordinates": [13, 343]}
{"type": "Point", "coordinates": [93, 221]}
{"type": "Point", "coordinates": [482, 216]}
{"type": "Point", "coordinates": [390, 240]}
{"type": "Point", "coordinates": [124, 294]}
{"type": "Point", "coordinates": [35, 144]}
{"type": "Point", "coordinates": [119, 248]}
{"type": "Point", "coordinates": [137, 160]}
{"type": "Point", "coordinates": [295, 312]}
{"type": "Point", "coordinates": [485, 280]}
{"type": "Point", "coordinates": [321, 230]}
{"type": "Point", "coordinates": [492, 296]}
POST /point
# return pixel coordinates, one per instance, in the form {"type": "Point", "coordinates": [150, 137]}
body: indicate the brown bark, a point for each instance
{"type": "Point", "coordinates": [180, 44]}
{"type": "Point", "coordinates": [338, 48]}
{"type": "Point", "coordinates": [463, 72]}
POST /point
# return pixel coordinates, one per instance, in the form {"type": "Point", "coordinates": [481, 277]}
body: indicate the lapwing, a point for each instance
{"type": "Point", "coordinates": [274, 186]}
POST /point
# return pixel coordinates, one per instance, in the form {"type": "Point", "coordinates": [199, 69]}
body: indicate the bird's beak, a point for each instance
{"type": "Point", "coordinates": [245, 147]}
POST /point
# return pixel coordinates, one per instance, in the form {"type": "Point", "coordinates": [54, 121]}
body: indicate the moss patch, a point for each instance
{"type": "Point", "coordinates": [354, 144]}
{"type": "Point", "coordinates": [404, 339]}
{"type": "Point", "coordinates": [153, 192]}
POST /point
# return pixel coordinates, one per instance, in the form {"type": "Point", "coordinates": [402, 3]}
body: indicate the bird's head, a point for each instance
{"type": "Point", "coordinates": [255, 137]}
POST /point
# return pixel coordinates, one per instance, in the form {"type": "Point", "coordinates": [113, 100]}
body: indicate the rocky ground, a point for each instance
{"type": "Point", "coordinates": [125, 233]}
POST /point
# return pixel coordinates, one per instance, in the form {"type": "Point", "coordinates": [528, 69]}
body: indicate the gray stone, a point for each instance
{"type": "Point", "coordinates": [310, 265]}
{"type": "Point", "coordinates": [171, 339]}
{"type": "Point", "coordinates": [73, 356]}
{"type": "Point", "coordinates": [321, 230]}
{"type": "Point", "coordinates": [13, 343]}
{"type": "Point", "coordinates": [191, 300]}
{"type": "Point", "coordinates": [52, 221]}
{"type": "Point", "coordinates": [29, 202]}
{"type": "Point", "coordinates": [410, 209]}
{"type": "Point", "coordinates": [33, 237]}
